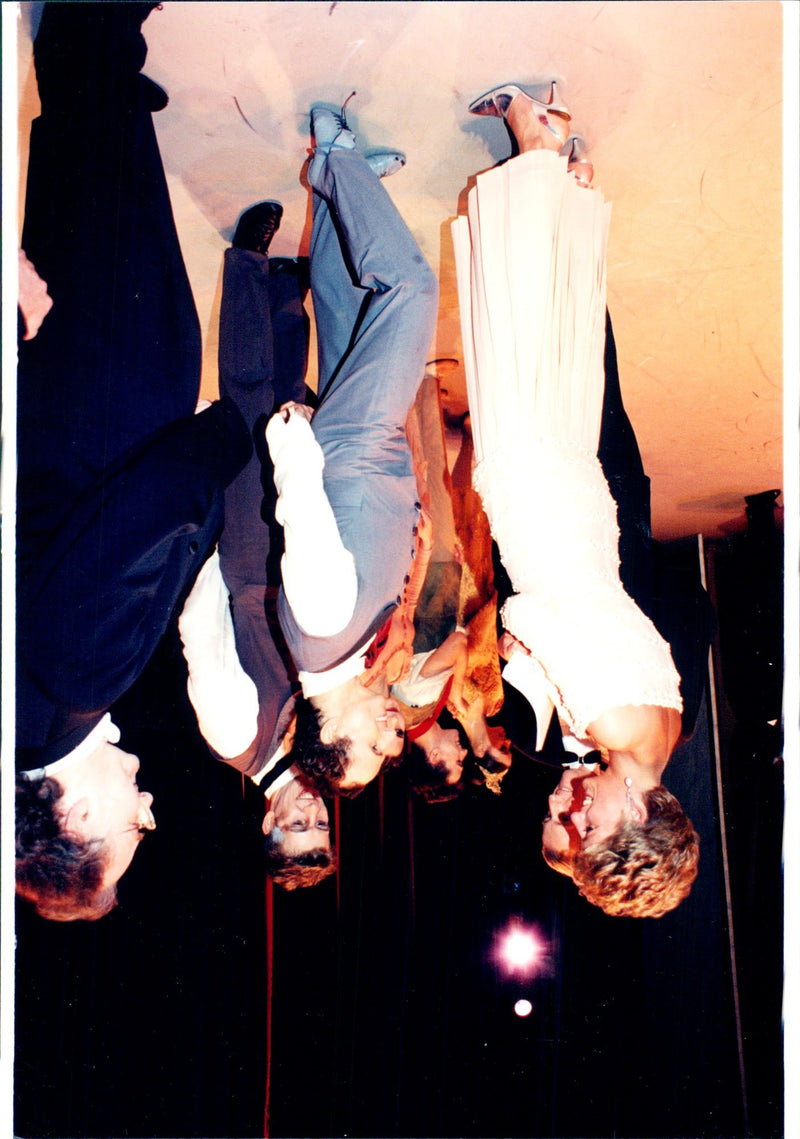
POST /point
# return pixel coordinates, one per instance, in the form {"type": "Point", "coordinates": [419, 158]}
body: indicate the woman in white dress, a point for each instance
{"type": "Point", "coordinates": [530, 258]}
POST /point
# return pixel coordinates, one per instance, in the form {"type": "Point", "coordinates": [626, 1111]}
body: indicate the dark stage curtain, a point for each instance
{"type": "Point", "coordinates": [390, 1016]}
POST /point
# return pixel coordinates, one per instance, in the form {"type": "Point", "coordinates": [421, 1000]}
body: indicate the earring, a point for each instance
{"type": "Point", "coordinates": [628, 785]}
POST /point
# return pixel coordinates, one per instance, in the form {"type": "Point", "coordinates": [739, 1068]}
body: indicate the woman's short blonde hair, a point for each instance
{"type": "Point", "coordinates": [559, 860]}
{"type": "Point", "coordinates": [642, 870]}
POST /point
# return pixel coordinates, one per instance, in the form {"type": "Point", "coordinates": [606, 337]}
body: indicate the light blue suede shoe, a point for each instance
{"type": "Point", "coordinates": [384, 163]}
{"type": "Point", "coordinates": [330, 128]}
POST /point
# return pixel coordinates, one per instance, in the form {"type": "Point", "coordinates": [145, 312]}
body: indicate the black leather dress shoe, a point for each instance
{"type": "Point", "coordinates": [257, 227]}
{"type": "Point", "coordinates": [155, 97]}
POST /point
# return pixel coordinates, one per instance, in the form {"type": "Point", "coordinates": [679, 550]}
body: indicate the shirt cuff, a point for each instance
{"type": "Point", "coordinates": [223, 696]}
{"type": "Point", "coordinates": [319, 573]}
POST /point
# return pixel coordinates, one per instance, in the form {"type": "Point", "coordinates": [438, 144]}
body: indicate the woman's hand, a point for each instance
{"type": "Point", "coordinates": [456, 702]}
{"type": "Point", "coordinates": [478, 732]}
{"type": "Point", "coordinates": [425, 530]}
{"type": "Point", "coordinates": [508, 645]}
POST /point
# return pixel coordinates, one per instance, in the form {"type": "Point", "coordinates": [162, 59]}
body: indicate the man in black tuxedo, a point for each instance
{"type": "Point", "coordinates": [120, 485]}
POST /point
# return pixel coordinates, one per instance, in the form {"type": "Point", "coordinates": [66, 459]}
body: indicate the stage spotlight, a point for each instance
{"type": "Point", "coordinates": [523, 1008]}
{"type": "Point", "coordinates": [519, 950]}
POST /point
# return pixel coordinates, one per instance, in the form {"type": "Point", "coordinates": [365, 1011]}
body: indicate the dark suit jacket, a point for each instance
{"type": "Point", "coordinates": [99, 597]}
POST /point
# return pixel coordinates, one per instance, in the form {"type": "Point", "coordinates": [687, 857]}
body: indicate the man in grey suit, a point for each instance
{"type": "Point", "coordinates": [347, 492]}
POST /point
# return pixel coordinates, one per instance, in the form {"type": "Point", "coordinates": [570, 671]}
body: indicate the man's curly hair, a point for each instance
{"type": "Point", "coordinates": [642, 870]}
{"type": "Point", "coordinates": [295, 871]}
{"type": "Point", "coordinates": [59, 874]}
{"type": "Point", "coordinates": [324, 765]}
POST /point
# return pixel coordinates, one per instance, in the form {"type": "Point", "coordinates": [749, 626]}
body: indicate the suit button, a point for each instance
{"type": "Point", "coordinates": [416, 505]}
{"type": "Point", "coordinates": [407, 579]}
{"type": "Point", "coordinates": [193, 547]}
{"type": "Point", "coordinates": [399, 600]}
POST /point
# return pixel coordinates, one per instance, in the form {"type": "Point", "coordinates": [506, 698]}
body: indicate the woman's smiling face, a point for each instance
{"type": "Point", "coordinates": [573, 795]}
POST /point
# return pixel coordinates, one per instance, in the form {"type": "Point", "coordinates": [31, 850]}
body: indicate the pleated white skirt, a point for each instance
{"type": "Point", "coordinates": [530, 260]}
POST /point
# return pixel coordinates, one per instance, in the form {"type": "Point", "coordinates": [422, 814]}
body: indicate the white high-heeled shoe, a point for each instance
{"type": "Point", "coordinates": [551, 113]}
{"type": "Point", "coordinates": [578, 160]}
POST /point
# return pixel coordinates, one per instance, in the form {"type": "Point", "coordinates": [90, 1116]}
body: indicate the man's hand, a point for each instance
{"type": "Point", "coordinates": [34, 300]}
{"type": "Point", "coordinates": [293, 408]}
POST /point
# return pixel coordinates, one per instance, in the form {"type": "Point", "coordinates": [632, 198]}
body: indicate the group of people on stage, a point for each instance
{"type": "Point", "coordinates": [136, 504]}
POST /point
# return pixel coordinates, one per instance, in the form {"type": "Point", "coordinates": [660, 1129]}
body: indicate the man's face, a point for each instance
{"type": "Point", "coordinates": [450, 752]}
{"type": "Point", "coordinates": [375, 727]}
{"type": "Point", "coordinates": [559, 833]}
{"type": "Point", "coordinates": [301, 816]}
{"type": "Point", "coordinates": [103, 802]}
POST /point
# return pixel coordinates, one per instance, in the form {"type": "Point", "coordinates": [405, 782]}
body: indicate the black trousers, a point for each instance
{"type": "Point", "coordinates": [119, 354]}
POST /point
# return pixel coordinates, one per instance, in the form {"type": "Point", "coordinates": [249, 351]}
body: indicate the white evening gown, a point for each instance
{"type": "Point", "coordinates": [530, 260]}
